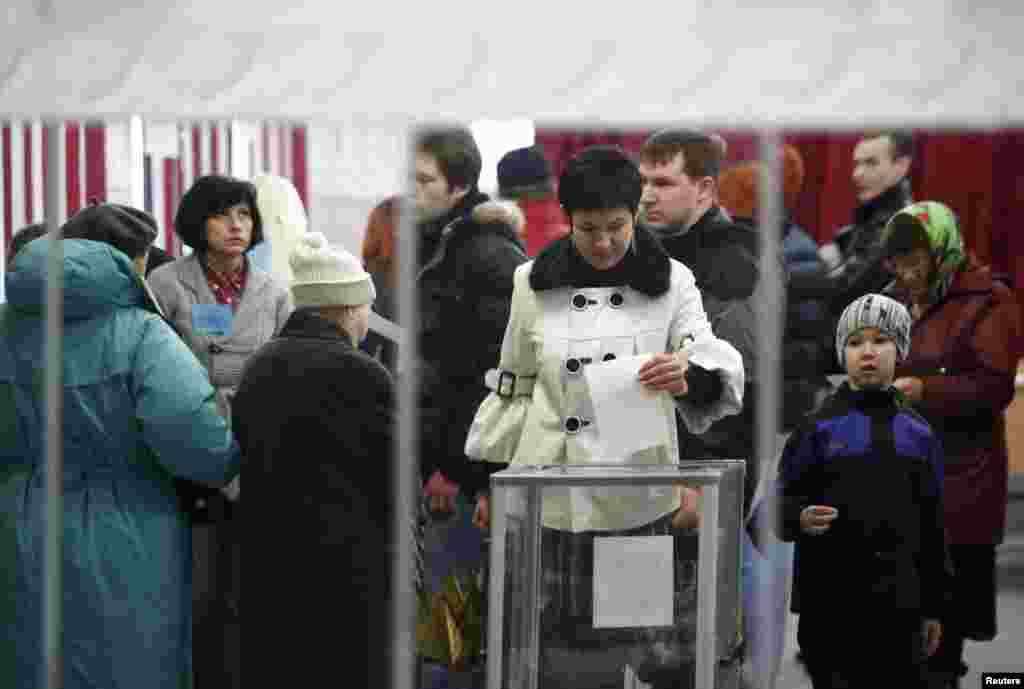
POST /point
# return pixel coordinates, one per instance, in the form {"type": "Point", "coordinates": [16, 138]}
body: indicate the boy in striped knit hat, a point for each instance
{"type": "Point", "coordinates": [860, 490]}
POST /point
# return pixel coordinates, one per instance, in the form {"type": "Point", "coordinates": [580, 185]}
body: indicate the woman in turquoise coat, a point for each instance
{"type": "Point", "coordinates": [138, 411]}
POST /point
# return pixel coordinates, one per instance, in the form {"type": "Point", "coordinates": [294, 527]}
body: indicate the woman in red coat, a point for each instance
{"type": "Point", "coordinates": [965, 345]}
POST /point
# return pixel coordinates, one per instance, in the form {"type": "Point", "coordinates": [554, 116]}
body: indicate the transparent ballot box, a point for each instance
{"type": "Point", "coordinates": [598, 579]}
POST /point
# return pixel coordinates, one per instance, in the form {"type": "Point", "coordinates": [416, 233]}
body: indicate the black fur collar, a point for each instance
{"type": "Point", "coordinates": [646, 268]}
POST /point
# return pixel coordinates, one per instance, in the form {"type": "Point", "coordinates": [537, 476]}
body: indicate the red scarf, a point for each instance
{"type": "Point", "coordinates": [227, 287]}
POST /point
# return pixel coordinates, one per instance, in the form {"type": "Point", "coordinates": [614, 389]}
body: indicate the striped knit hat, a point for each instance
{"type": "Point", "coordinates": [875, 311]}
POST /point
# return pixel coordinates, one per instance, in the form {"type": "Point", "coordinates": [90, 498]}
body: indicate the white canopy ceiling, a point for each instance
{"type": "Point", "coordinates": [731, 62]}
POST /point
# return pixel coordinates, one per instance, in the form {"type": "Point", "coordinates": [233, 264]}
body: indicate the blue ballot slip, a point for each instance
{"type": "Point", "coordinates": [212, 320]}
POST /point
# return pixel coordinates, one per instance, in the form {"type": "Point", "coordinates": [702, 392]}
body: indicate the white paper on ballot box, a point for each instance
{"type": "Point", "coordinates": [633, 581]}
{"type": "Point", "coordinates": [629, 417]}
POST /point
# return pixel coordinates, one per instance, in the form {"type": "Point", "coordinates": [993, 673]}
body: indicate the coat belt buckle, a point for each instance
{"type": "Point", "coordinates": [506, 378]}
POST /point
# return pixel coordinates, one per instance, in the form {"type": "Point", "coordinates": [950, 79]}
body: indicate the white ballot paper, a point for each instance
{"type": "Point", "coordinates": [633, 581]}
{"type": "Point", "coordinates": [628, 415]}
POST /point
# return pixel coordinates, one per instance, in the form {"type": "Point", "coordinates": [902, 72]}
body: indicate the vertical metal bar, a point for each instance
{"type": "Point", "coordinates": [534, 582]}
{"type": "Point", "coordinates": [35, 172]}
{"type": "Point", "coordinates": [495, 598]}
{"type": "Point", "coordinates": [769, 342]}
{"type": "Point", "coordinates": [171, 202]}
{"type": "Point", "coordinates": [707, 589]}
{"type": "Point", "coordinates": [82, 163]}
{"type": "Point", "coordinates": [3, 216]}
{"type": "Point", "coordinates": [53, 442]}
{"type": "Point", "coordinates": [406, 459]}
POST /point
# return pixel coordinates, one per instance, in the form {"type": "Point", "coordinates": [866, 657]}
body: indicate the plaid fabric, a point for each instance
{"type": "Point", "coordinates": [227, 288]}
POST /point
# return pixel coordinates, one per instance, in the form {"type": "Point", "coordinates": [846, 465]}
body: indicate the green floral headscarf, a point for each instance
{"type": "Point", "coordinates": [947, 244]}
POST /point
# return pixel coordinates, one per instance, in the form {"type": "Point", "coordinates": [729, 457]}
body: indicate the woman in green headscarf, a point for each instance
{"type": "Point", "coordinates": [965, 345]}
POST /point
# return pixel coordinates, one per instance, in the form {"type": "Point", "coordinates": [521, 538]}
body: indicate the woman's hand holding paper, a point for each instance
{"type": "Point", "coordinates": [665, 372]}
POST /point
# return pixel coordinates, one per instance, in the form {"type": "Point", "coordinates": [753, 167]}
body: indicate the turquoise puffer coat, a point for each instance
{"type": "Point", "coordinates": [138, 411]}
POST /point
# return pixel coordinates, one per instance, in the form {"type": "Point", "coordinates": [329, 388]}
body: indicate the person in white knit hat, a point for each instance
{"type": "Point", "coordinates": [314, 416]}
{"type": "Point", "coordinates": [333, 283]}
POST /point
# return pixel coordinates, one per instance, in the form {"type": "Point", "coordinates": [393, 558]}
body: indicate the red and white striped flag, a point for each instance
{"type": "Point", "coordinates": [24, 163]}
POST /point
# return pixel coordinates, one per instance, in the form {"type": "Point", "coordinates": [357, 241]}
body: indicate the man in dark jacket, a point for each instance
{"type": "Point", "coordinates": [468, 252]}
{"type": "Point", "coordinates": [680, 171]}
{"type": "Point", "coordinates": [315, 417]}
{"type": "Point", "coordinates": [881, 168]}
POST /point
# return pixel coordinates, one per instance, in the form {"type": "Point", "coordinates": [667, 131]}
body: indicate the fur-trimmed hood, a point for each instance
{"type": "Point", "coordinates": [472, 217]}
{"type": "Point", "coordinates": [646, 267]}
{"type": "Point", "coordinates": [500, 211]}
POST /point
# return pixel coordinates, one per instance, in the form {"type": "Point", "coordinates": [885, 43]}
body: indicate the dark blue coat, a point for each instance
{"type": "Point", "coordinates": [880, 466]}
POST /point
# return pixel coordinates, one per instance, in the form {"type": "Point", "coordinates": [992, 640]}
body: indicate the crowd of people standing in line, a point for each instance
{"type": "Point", "coordinates": [176, 374]}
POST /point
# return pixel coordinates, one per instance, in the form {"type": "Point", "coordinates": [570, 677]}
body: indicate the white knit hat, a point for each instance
{"type": "Point", "coordinates": [875, 311]}
{"type": "Point", "coordinates": [326, 276]}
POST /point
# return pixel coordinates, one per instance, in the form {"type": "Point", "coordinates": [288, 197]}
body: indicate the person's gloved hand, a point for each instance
{"type": "Point", "coordinates": [441, 493]}
{"type": "Point", "coordinates": [233, 491]}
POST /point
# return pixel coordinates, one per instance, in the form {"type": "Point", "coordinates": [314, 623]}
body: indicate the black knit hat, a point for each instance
{"type": "Point", "coordinates": [123, 227]}
{"type": "Point", "coordinates": [524, 172]}
{"type": "Point", "coordinates": [209, 196]}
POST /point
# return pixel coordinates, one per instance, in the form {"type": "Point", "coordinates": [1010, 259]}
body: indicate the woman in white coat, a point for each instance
{"type": "Point", "coordinates": [606, 290]}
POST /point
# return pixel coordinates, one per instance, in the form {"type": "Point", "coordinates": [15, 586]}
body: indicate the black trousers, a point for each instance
{"type": "Point", "coordinates": [216, 594]}
{"type": "Point", "coordinates": [972, 610]}
{"type": "Point", "coordinates": [851, 651]}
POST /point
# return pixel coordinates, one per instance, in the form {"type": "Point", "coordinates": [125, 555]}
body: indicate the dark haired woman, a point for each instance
{"type": "Point", "coordinates": [225, 308]}
{"type": "Point", "coordinates": [606, 290]}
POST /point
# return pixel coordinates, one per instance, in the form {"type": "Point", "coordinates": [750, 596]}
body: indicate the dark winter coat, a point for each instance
{"type": "Point", "coordinates": [859, 243]}
{"type": "Point", "coordinates": [465, 287]}
{"type": "Point", "coordinates": [723, 256]}
{"type": "Point", "coordinates": [799, 250]}
{"type": "Point", "coordinates": [880, 465]}
{"type": "Point", "coordinates": [807, 335]}
{"type": "Point", "coordinates": [315, 417]}
{"type": "Point", "coordinates": [861, 270]}
{"type": "Point", "coordinates": [965, 349]}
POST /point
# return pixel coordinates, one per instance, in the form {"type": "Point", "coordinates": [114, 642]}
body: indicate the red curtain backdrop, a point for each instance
{"type": "Point", "coordinates": [978, 175]}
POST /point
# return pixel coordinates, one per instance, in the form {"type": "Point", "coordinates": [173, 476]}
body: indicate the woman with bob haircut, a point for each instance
{"type": "Point", "coordinates": [605, 290]}
{"type": "Point", "coordinates": [225, 308]}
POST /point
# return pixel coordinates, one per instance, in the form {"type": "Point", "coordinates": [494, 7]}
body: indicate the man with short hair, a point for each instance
{"type": "Point", "coordinates": [881, 165]}
{"type": "Point", "coordinates": [680, 171]}
{"type": "Point", "coordinates": [881, 169]}
{"type": "Point", "coordinates": [469, 249]}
